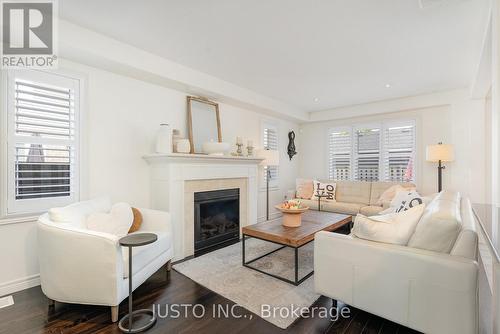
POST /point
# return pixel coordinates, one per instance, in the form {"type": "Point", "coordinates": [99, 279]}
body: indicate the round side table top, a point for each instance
{"type": "Point", "coordinates": [138, 239]}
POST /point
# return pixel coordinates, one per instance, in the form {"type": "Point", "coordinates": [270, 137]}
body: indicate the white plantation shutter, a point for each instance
{"type": "Point", "coordinates": [340, 153]}
{"type": "Point", "coordinates": [270, 142]}
{"type": "Point", "coordinates": [42, 141]}
{"type": "Point", "coordinates": [399, 150]}
{"type": "Point", "coordinates": [366, 154]}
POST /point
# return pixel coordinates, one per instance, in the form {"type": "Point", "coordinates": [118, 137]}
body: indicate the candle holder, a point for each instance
{"type": "Point", "coordinates": [250, 150]}
{"type": "Point", "coordinates": [239, 151]}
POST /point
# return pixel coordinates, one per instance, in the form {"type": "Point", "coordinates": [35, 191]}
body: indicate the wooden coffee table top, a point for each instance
{"type": "Point", "coordinates": [312, 222]}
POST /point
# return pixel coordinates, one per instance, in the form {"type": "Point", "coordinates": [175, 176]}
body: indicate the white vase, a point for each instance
{"type": "Point", "coordinates": [184, 146]}
{"type": "Point", "coordinates": [164, 139]}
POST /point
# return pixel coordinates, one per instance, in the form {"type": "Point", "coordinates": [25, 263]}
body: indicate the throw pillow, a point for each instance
{"type": "Point", "coordinates": [389, 193]}
{"type": "Point", "coordinates": [136, 224]}
{"type": "Point", "coordinates": [116, 222]}
{"type": "Point", "coordinates": [393, 228]}
{"type": "Point", "coordinates": [326, 189]}
{"type": "Point", "coordinates": [405, 200]}
{"type": "Point", "coordinates": [304, 188]}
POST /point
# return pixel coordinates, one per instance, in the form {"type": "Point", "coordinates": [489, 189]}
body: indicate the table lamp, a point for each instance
{"type": "Point", "coordinates": [271, 158]}
{"type": "Point", "coordinates": [440, 153]}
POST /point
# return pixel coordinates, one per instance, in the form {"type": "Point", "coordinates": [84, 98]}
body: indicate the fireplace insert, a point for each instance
{"type": "Point", "coordinates": [216, 219]}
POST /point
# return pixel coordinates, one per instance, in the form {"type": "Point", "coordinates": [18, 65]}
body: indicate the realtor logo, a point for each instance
{"type": "Point", "coordinates": [28, 34]}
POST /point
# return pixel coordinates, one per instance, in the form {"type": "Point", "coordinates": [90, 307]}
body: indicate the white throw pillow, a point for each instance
{"type": "Point", "coordinates": [327, 189]}
{"type": "Point", "coordinates": [76, 213]}
{"type": "Point", "coordinates": [393, 228]}
{"type": "Point", "coordinates": [405, 200]}
{"type": "Point", "coordinates": [116, 222]}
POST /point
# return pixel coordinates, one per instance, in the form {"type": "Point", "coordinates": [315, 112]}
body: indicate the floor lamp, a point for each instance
{"type": "Point", "coordinates": [271, 158]}
{"type": "Point", "coordinates": [440, 153]}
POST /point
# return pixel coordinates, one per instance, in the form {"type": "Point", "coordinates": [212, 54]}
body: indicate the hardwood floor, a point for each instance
{"type": "Point", "coordinates": [31, 314]}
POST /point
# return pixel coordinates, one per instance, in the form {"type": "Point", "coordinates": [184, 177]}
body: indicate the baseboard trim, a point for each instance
{"type": "Point", "coordinates": [19, 284]}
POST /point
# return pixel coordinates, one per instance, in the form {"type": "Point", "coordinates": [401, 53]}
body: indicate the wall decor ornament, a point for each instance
{"type": "Point", "coordinates": [291, 144]}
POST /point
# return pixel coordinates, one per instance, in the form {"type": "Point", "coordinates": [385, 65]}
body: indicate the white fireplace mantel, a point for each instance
{"type": "Point", "coordinates": [171, 172]}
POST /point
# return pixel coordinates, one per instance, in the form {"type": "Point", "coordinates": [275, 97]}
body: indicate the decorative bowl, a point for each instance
{"type": "Point", "coordinates": [292, 217]}
{"type": "Point", "coordinates": [215, 148]}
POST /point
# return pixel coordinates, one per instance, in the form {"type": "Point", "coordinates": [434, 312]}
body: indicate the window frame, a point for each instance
{"type": "Point", "coordinates": [274, 183]}
{"type": "Point", "coordinates": [9, 206]}
{"type": "Point", "coordinates": [382, 125]}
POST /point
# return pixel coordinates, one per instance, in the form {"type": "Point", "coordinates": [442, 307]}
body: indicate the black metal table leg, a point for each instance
{"type": "Point", "coordinates": [296, 266]}
{"type": "Point", "coordinates": [243, 250]}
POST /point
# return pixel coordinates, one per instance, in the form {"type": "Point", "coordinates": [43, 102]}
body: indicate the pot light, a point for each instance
{"type": "Point", "coordinates": [388, 85]}
{"type": "Point", "coordinates": [316, 99]}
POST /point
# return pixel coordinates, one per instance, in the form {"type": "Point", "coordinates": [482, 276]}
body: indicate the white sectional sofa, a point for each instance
{"type": "Point", "coordinates": [430, 285]}
{"type": "Point", "coordinates": [353, 197]}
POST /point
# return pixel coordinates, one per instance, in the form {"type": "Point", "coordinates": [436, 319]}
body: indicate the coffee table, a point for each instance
{"type": "Point", "coordinates": [293, 237]}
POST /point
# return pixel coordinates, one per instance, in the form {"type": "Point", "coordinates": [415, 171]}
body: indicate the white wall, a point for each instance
{"type": "Point", "coordinates": [459, 122]}
{"type": "Point", "coordinates": [121, 118]}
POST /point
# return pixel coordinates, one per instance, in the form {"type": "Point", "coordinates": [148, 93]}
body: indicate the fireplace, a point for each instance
{"type": "Point", "coordinates": [216, 219]}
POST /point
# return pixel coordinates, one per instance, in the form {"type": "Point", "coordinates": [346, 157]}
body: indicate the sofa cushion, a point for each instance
{"type": "Point", "coordinates": [467, 240]}
{"type": "Point", "coordinates": [342, 207]}
{"type": "Point", "coordinates": [76, 213]}
{"type": "Point", "coordinates": [324, 188]}
{"type": "Point", "coordinates": [117, 222]}
{"type": "Point", "coordinates": [370, 210]}
{"type": "Point", "coordinates": [378, 189]}
{"type": "Point", "coordinates": [440, 224]}
{"type": "Point", "coordinates": [405, 200]}
{"type": "Point", "coordinates": [393, 228]}
{"type": "Point", "coordinates": [143, 255]}
{"type": "Point", "coordinates": [353, 192]}
{"type": "Point", "coordinates": [304, 188]}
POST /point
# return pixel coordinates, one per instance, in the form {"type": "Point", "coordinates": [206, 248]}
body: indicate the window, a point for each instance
{"type": "Point", "coordinates": [384, 151]}
{"type": "Point", "coordinates": [339, 143]}
{"type": "Point", "coordinates": [270, 142]}
{"type": "Point", "coordinates": [399, 146]}
{"type": "Point", "coordinates": [42, 141]}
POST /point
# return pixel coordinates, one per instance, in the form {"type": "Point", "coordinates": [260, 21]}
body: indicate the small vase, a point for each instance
{"type": "Point", "coordinates": [184, 146]}
{"type": "Point", "coordinates": [164, 139]}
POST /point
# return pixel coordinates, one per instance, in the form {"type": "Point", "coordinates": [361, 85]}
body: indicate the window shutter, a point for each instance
{"type": "Point", "coordinates": [340, 147]}
{"type": "Point", "coordinates": [366, 154]}
{"type": "Point", "coordinates": [42, 142]}
{"type": "Point", "coordinates": [399, 147]}
{"type": "Point", "coordinates": [270, 142]}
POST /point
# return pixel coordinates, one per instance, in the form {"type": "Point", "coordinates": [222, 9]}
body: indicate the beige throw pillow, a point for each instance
{"type": "Point", "coordinates": [393, 228]}
{"type": "Point", "coordinates": [304, 188]}
{"type": "Point", "coordinates": [326, 189]}
{"type": "Point", "coordinates": [389, 194]}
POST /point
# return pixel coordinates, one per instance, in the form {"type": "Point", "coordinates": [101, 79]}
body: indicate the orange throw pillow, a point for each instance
{"type": "Point", "coordinates": [136, 224]}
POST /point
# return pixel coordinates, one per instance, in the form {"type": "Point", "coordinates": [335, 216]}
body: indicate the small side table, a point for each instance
{"type": "Point", "coordinates": [135, 240]}
{"type": "Point", "coordinates": [320, 196]}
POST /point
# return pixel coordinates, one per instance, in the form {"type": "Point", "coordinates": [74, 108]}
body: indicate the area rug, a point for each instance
{"type": "Point", "coordinates": [222, 272]}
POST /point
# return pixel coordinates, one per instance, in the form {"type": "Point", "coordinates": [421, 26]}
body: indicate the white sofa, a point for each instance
{"type": "Point", "coordinates": [434, 292]}
{"type": "Point", "coordinates": [81, 266]}
{"type": "Point", "coordinates": [353, 197]}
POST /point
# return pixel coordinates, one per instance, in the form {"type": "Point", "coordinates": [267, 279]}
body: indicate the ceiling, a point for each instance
{"type": "Point", "coordinates": [312, 54]}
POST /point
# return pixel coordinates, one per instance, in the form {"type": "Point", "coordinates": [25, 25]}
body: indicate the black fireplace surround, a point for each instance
{"type": "Point", "coordinates": [216, 219]}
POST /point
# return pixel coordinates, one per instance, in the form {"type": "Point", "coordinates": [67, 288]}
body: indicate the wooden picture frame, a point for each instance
{"type": "Point", "coordinates": [189, 100]}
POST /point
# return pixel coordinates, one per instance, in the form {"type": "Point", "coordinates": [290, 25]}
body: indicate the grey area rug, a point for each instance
{"type": "Point", "coordinates": [222, 272]}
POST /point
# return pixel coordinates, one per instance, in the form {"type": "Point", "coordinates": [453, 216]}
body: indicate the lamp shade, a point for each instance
{"type": "Point", "coordinates": [271, 157]}
{"type": "Point", "coordinates": [443, 152]}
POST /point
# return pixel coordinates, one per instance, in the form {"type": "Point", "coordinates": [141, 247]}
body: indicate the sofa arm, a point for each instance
{"type": "Point", "coordinates": [79, 266]}
{"type": "Point", "coordinates": [428, 291]}
{"type": "Point", "coordinates": [155, 221]}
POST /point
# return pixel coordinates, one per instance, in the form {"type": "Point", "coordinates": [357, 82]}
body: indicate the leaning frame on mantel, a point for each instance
{"type": "Point", "coordinates": [190, 118]}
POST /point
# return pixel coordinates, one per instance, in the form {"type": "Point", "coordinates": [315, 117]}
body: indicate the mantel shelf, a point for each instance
{"type": "Point", "coordinates": [199, 158]}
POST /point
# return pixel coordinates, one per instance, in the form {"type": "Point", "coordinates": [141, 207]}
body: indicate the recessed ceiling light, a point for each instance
{"type": "Point", "coordinates": [388, 86]}
{"type": "Point", "coordinates": [316, 99]}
